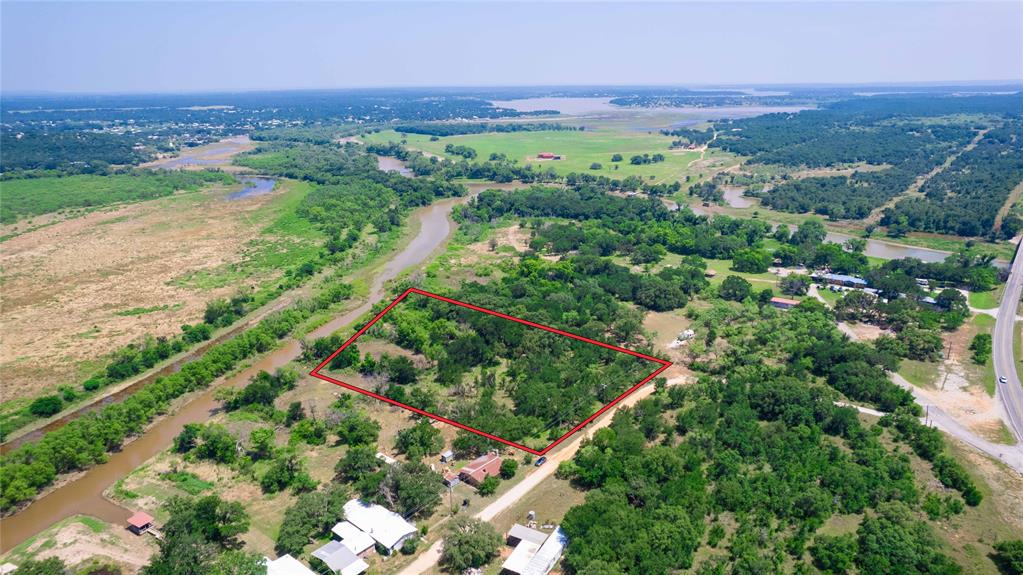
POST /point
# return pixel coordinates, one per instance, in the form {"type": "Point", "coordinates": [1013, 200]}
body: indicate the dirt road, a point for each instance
{"type": "Point", "coordinates": [431, 556]}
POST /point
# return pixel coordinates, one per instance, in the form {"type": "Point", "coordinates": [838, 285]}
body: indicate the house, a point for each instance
{"type": "Point", "coordinates": [546, 156]}
{"type": "Point", "coordinates": [286, 565]}
{"type": "Point", "coordinates": [447, 456]}
{"type": "Point", "coordinates": [530, 557]}
{"type": "Point", "coordinates": [340, 559]}
{"type": "Point", "coordinates": [140, 522]}
{"type": "Point", "coordinates": [784, 303]}
{"type": "Point", "coordinates": [356, 540]}
{"type": "Point", "coordinates": [841, 280]}
{"type": "Point", "coordinates": [385, 526]}
{"type": "Point", "coordinates": [478, 469]}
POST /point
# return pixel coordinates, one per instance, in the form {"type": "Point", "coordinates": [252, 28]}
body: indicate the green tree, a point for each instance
{"type": "Point", "coordinates": [508, 468]}
{"type": "Point", "coordinates": [894, 541]}
{"type": "Point", "coordinates": [48, 566]}
{"type": "Point", "coordinates": [46, 406]}
{"type": "Point", "coordinates": [794, 284]}
{"type": "Point", "coordinates": [358, 461]}
{"type": "Point", "coordinates": [735, 288]}
{"type": "Point", "coordinates": [469, 543]}
{"type": "Point", "coordinates": [420, 440]}
{"type": "Point", "coordinates": [834, 554]}
{"type": "Point", "coordinates": [981, 348]}
{"type": "Point", "coordinates": [750, 260]}
{"type": "Point", "coordinates": [1008, 556]}
{"type": "Point", "coordinates": [489, 485]}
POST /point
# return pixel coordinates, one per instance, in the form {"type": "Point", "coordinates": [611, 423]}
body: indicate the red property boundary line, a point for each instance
{"type": "Point", "coordinates": [664, 364]}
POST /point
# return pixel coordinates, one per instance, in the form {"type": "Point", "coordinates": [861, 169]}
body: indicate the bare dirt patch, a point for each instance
{"type": "Point", "coordinates": [75, 543]}
{"type": "Point", "coordinates": [513, 236]}
{"type": "Point", "coordinates": [79, 289]}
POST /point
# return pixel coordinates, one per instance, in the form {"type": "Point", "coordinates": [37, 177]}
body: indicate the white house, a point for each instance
{"type": "Point", "coordinates": [286, 565]}
{"type": "Point", "coordinates": [535, 552]}
{"type": "Point", "coordinates": [355, 539]}
{"type": "Point", "coordinates": [385, 526]}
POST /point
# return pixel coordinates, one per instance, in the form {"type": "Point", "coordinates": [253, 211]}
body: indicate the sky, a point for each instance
{"type": "Point", "coordinates": [237, 46]}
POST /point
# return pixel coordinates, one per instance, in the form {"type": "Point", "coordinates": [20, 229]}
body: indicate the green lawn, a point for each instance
{"type": "Point", "coordinates": [919, 373]}
{"type": "Point", "coordinates": [579, 150]}
{"type": "Point", "coordinates": [986, 299]}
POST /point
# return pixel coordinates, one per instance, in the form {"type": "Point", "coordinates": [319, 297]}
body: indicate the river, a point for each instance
{"type": "Point", "coordinates": [84, 493]}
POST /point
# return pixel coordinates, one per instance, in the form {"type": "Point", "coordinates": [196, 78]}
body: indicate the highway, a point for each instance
{"type": "Point", "coordinates": [1010, 394]}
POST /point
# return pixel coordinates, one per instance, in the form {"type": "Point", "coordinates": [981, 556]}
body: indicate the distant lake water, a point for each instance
{"type": "Point", "coordinates": [603, 106]}
{"type": "Point", "coordinates": [254, 186]}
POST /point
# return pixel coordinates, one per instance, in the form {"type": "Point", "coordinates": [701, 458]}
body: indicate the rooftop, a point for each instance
{"type": "Point", "coordinates": [340, 559]}
{"type": "Point", "coordinates": [355, 539]}
{"type": "Point", "coordinates": [286, 565]}
{"type": "Point", "coordinates": [383, 525]}
{"type": "Point", "coordinates": [140, 520]}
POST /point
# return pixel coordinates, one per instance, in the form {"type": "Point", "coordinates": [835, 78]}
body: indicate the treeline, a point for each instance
{"type": "Point", "coordinates": [70, 151]}
{"type": "Point", "coordinates": [694, 137]}
{"type": "Point", "coordinates": [459, 129]}
{"type": "Point", "coordinates": [26, 197]}
{"type": "Point", "coordinates": [965, 197]}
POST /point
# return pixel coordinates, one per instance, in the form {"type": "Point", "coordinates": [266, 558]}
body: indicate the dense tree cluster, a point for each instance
{"type": "Point", "coordinates": [965, 197]}
{"type": "Point", "coordinates": [460, 129]}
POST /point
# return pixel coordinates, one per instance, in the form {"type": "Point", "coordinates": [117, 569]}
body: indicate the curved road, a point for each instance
{"type": "Point", "coordinates": [1010, 393]}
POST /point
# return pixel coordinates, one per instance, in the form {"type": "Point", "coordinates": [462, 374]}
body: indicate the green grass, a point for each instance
{"type": "Point", "coordinates": [579, 150]}
{"type": "Point", "coordinates": [142, 310]}
{"type": "Point", "coordinates": [919, 373]}
{"type": "Point", "coordinates": [986, 299]}
{"type": "Point", "coordinates": [188, 482]}
{"type": "Point", "coordinates": [34, 196]}
{"type": "Point", "coordinates": [287, 241]}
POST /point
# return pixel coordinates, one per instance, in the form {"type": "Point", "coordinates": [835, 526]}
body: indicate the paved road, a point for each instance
{"type": "Point", "coordinates": [1010, 394]}
{"type": "Point", "coordinates": [1011, 455]}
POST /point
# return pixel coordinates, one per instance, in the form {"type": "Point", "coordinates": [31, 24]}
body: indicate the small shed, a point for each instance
{"type": "Point", "coordinates": [447, 456]}
{"type": "Point", "coordinates": [451, 479]}
{"type": "Point", "coordinates": [140, 522]}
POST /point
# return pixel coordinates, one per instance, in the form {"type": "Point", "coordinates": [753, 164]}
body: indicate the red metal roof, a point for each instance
{"type": "Point", "coordinates": [478, 469]}
{"type": "Point", "coordinates": [140, 520]}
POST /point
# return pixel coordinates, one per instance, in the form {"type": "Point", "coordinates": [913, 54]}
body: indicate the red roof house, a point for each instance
{"type": "Point", "coordinates": [478, 469]}
{"type": "Point", "coordinates": [140, 522]}
{"type": "Point", "coordinates": [545, 155]}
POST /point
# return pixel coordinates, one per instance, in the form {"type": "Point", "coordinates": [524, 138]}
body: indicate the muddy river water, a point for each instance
{"type": "Point", "coordinates": [84, 494]}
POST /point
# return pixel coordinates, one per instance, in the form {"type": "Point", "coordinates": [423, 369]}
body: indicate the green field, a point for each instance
{"type": "Point", "coordinates": [578, 149]}
{"type": "Point", "coordinates": [28, 197]}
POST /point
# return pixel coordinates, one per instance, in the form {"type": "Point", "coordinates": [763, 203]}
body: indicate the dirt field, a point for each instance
{"type": "Point", "coordinates": [81, 540]}
{"type": "Point", "coordinates": [81, 288]}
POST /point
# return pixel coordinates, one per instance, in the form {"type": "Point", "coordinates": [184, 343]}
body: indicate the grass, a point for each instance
{"type": "Point", "coordinates": [188, 482]}
{"type": "Point", "coordinates": [986, 299]}
{"type": "Point", "coordinates": [34, 196]}
{"type": "Point", "coordinates": [579, 150]}
{"type": "Point", "coordinates": [142, 310]}
{"type": "Point", "coordinates": [286, 242]}
{"type": "Point", "coordinates": [919, 373]}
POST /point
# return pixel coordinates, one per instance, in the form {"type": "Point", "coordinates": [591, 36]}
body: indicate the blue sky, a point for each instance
{"type": "Point", "coordinates": [155, 46]}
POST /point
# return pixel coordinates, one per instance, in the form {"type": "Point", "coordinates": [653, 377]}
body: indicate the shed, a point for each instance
{"type": "Point", "coordinates": [447, 456]}
{"type": "Point", "coordinates": [139, 522]}
{"type": "Point", "coordinates": [451, 479]}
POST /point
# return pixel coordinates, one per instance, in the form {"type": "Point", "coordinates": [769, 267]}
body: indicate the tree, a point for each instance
{"type": "Point", "coordinates": [46, 406]}
{"type": "Point", "coordinates": [295, 413]}
{"type": "Point", "coordinates": [596, 166]}
{"type": "Point", "coordinates": [400, 370]}
{"type": "Point", "coordinates": [420, 440]}
{"type": "Point", "coordinates": [469, 543]}
{"type": "Point", "coordinates": [894, 541]}
{"type": "Point", "coordinates": [359, 461]}
{"type": "Point", "coordinates": [834, 554]}
{"type": "Point", "coordinates": [1008, 556]}
{"type": "Point", "coordinates": [411, 489]}
{"type": "Point", "coordinates": [261, 443]}
{"type": "Point", "coordinates": [236, 562]}
{"type": "Point", "coordinates": [489, 485]}
{"type": "Point", "coordinates": [616, 157]}
{"type": "Point", "coordinates": [311, 516]}
{"type": "Point", "coordinates": [981, 348]}
{"type": "Point", "coordinates": [921, 344]}
{"type": "Point", "coordinates": [508, 468]}
{"type": "Point", "coordinates": [48, 566]}
{"type": "Point", "coordinates": [357, 429]}
{"type": "Point", "coordinates": [735, 288]}
{"type": "Point", "coordinates": [795, 284]}
{"type": "Point", "coordinates": [198, 531]}
{"type": "Point", "coordinates": [751, 260]}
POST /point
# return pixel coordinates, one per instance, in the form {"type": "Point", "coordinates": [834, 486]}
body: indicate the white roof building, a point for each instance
{"type": "Point", "coordinates": [355, 539]}
{"type": "Point", "coordinates": [340, 559]}
{"type": "Point", "coordinates": [286, 565]}
{"type": "Point", "coordinates": [383, 525]}
{"type": "Point", "coordinates": [531, 558]}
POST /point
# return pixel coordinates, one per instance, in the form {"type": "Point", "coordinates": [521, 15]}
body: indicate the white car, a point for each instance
{"type": "Point", "coordinates": [1002, 380]}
